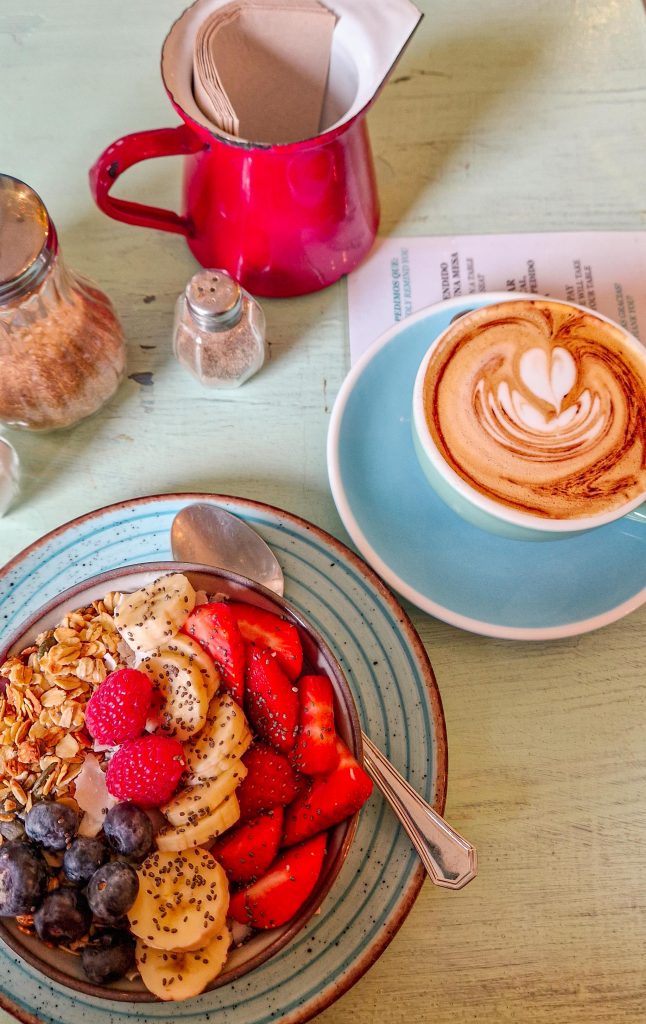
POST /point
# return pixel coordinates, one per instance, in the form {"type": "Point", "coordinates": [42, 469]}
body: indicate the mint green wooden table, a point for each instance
{"type": "Point", "coordinates": [502, 116]}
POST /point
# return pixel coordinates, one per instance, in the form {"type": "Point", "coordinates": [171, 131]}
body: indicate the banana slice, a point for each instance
{"type": "Point", "coordinates": [187, 805]}
{"type": "Point", "coordinates": [182, 901]}
{"type": "Point", "coordinates": [183, 974]}
{"type": "Point", "coordinates": [202, 829]}
{"type": "Point", "coordinates": [223, 739]}
{"type": "Point", "coordinates": [153, 615]}
{"type": "Point", "coordinates": [188, 646]}
{"type": "Point", "coordinates": [180, 697]}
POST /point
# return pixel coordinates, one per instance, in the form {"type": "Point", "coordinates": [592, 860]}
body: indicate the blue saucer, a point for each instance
{"type": "Point", "coordinates": [525, 590]}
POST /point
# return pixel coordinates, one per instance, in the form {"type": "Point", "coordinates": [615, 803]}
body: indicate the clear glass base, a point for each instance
{"type": "Point", "coordinates": [9, 475]}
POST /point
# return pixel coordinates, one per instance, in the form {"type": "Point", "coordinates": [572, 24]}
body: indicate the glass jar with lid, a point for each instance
{"type": "Point", "coordinates": [219, 331]}
{"type": "Point", "coordinates": [62, 350]}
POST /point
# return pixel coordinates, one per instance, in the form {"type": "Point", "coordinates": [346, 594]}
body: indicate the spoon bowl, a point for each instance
{"type": "Point", "coordinates": [207, 535]}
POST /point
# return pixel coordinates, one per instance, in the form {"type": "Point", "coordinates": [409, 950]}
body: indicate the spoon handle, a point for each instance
{"type": "Point", "coordinates": [449, 859]}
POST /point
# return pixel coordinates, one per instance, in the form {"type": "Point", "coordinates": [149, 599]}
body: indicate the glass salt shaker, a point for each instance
{"type": "Point", "coordinates": [62, 350]}
{"type": "Point", "coordinates": [219, 332]}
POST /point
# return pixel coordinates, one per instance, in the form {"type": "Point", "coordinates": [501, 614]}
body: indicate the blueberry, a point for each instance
{"type": "Point", "coordinates": [23, 878]}
{"type": "Point", "coordinates": [129, 830]}
{"type": "Point", "coordinates": [13, 829]}
{"type": "Point", "coordinates": [110, 956]}
{"type": "Point", "coordinates": [52, 825]}
{"type": "Point", "coordinates": [83, 858]}
{"type": "Point", "coordinates": [112, 891]}
{"type": "Point", "coordinates": [63, 916]}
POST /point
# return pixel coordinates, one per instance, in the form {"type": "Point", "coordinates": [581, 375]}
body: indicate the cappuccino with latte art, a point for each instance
{"type": "Point", "coordinates": [539, 407]}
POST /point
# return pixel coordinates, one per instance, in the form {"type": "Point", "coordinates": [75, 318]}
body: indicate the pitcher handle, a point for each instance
{"type": "Point", "coordinates": [129, 150]}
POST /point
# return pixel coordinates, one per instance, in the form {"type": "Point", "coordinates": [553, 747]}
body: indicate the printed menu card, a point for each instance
{"type": "Point", "coordinates": [600, 269]}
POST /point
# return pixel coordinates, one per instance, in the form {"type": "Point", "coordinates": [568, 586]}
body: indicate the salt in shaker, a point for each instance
{"type": "Point", "coordinates": [219, 332]}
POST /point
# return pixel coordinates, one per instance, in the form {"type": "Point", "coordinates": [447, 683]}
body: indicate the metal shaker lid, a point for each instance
{"type": "Point", "coordinates": [27, 236]}
{"type": "Point", "coordinates": [214, 299]}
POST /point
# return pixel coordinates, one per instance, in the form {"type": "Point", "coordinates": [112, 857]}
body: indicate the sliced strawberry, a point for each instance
{"type": "Point", "coordinates": [278, 895]}
{"type": "Point", "coordinates": [246, 851]}
{"type": "Point", "coordinates": [315, 752]}
{"type": "Point", "coordinates": [264, 629]}
{"type": "Point", "coordinates": [214, 627]}
{"type": "Point", "coordinates": [271, 699]}
{"type": "Point", "coordinates": [330, 799]}
{"type": "Point", "coordinates": [270, 781]}
{"type": "Point", "coordinates": [302, 783]}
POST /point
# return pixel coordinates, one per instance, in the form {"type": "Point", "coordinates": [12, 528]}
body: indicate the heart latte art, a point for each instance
{"type": "Point", "coordinates": [541, 407]}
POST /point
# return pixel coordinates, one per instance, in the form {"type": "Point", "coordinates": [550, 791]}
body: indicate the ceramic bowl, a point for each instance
{"type": "Point", "coordinates": [63, 967]}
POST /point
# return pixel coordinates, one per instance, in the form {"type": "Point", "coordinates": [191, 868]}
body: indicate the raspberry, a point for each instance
{"type": "Point", "coordinates": [118, 710]}
{"type": "Point", "coordinates": [146, 770]}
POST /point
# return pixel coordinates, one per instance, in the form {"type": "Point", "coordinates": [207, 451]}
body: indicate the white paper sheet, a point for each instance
{"type": "Point", "coordinates": [603, 270]}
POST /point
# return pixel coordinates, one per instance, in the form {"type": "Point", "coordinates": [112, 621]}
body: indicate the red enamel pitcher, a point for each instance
{"type": "Point", "coordinates": [282, 219]}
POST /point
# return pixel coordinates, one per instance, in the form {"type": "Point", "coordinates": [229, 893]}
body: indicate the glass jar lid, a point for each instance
{"type": "Point", "coordinates": [214, 299]}
{"type": "Point", "coordinates": [28, 240]}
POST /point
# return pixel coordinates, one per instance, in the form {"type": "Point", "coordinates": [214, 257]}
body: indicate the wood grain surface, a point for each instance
{"type": "Point", "coordinates": [501, 116]}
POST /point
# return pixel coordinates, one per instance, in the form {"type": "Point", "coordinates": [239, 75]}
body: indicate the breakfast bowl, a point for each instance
{"type": "Point", "coordinates": [251, 946]}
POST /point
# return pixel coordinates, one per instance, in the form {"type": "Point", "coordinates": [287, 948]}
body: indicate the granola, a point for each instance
{"type": "Point", "coordinates": [43, 694]}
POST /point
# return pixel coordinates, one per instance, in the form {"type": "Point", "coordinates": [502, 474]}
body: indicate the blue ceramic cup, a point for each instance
{"type": "Point", "coordinates": [529, 419]}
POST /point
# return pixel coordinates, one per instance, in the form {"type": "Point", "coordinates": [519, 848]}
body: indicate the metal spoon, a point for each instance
{"type": "Point", "coordinates": [209, 535]}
